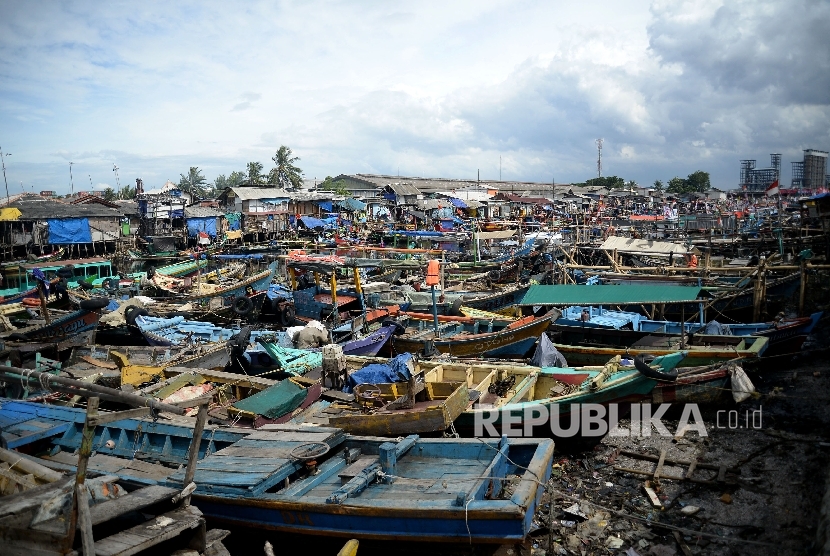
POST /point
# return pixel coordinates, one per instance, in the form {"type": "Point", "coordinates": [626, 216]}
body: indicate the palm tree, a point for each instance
{"type": "Point", "coordinates": [194, 182]}
{"type": "Point", "coordinates": [286, 174]}
{"type": "Point", "coordinates": [255, 176]}
{"type": "Point", "coordinates": [126, 192]}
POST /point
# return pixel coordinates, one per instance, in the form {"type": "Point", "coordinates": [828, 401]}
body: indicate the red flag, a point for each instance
{"type": "Point", "coordinates": [773, 188]}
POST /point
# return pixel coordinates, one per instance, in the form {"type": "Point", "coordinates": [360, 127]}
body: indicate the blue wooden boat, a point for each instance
{"type": "Point", "coordinates": [320, 481]}
{"type": "Point", "coordinates": [25, 423]}
{"type": "Point", "coordinates": [70, 324]}
{"type": "Point", "coordinates": [785, 335]}
{"type": "Point", "coordinates": [416, 489]}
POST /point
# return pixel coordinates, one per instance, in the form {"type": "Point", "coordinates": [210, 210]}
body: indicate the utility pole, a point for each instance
{"type": "Point", "coordinates": [71, 181]}
{"type": "Point", "coordinates": [499, 167]}
{"type": "Point", "coordinates": [117, 182]}
{"type": "Point", "coordinates": [3, 160]}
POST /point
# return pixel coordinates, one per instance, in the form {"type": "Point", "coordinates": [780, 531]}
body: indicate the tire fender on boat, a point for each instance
{"type": "Point", "coordinates": [243, 306]}
{"type": "Point", "coordinates": [287, 315]}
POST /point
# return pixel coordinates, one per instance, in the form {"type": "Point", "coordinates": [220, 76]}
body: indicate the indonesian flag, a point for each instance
{"type": "Point", "coordinates": [773, 188]}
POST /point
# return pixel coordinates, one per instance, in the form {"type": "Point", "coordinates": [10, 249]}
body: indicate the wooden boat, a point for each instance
{"type": "Point", "coordinates": [515, 390]}
{"type": "Point", "coordinates": [222, 310]}
{"type": "Point", "coordinates": [424, 404]}
{"type": "Point", "coordinates": [256, 282]}
{"type": "Point", "coordinates": [316, 480]}
{"type": "Point", "coordinates": [486, 301]}
{"type": "Point", "coordinates": [368, 345]}
{"type": "Point", "coordinates": [701, 349]}
{"type": "Point", "coordinates": [429, 489]}
{"type": "Point", "coordinates": [69, 324]}
{"type": "Point", "coordinates": [206, 283]}
{"type": "Point", "coordinates": [623, 329]}
{"type": "Point", "coordinates": [481, 339]}
{"type": "Point", "coordinates": [135, 440]}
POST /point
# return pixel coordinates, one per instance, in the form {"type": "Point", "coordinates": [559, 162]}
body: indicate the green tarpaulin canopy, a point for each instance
{"type": "Point", "coordinates": [274, 402]}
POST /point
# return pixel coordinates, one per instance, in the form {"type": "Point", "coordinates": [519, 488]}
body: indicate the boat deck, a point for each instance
{"type": "Point", "coordinates": [257, 462]}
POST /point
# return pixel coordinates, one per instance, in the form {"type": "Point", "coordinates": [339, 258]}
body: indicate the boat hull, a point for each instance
{"type": "Point", "coordinates": [509, 342]}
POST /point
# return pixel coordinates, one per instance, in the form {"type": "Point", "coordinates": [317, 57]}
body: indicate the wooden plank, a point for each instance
{"type": "Point", "coordinates": [253, 452]}
{"type": "Point", "coordinates": [104, 418]}
{"type": "Point", "coordinates": [290, 436]}
{"type": "Point", "coordinates": [136, 500]}
{"type": "Point", "coordinates": [151, 533]}
{"type": "Point", "coordinates": [659, 469]}
{"type": "Point", "coordinates": [691, 469]}
{"type": "Point", "coordinates": [355, 468]}
{"type": "Point", "coordinates": [84, 522]}
{"type": "Point", "coordinates": [35, 434]}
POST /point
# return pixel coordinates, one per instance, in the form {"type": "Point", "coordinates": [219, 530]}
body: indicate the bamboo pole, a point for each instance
{"type": "Point", "coordinates": [803, 288]}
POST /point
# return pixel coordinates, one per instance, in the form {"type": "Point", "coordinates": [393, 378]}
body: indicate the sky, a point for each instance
{"type": "Point", "coordinates": [452, 89]}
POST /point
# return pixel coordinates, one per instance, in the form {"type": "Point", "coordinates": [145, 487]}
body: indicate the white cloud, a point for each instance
{"type": "Point", "coordinates": [432, 88]}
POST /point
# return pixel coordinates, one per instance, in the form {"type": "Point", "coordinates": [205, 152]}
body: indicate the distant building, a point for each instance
{"type": "Point", "coordinates": [757, 180]}
{"type": "Point", "coordinates": [810, 174]}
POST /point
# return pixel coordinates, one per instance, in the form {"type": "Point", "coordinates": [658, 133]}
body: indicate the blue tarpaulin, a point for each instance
{"type": "Point", "coordinates": [352, 204]}
{"type": "Point", "coordinates": [458, 203]}
{"type": "Point", "coordinates": [69, 230]}
{"type": "Point", "coordinates": [325, 205]}
{"type": "Point", "coordinates": [205, 224]}
{"type": "Point", "coordinates": [311, 222]}
{"type": "Point", "coordinates": [396, 370]}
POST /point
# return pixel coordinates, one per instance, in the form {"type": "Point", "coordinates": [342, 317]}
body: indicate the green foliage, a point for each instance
{"type": "Point", "coordinates": [286, 174]}
{"type": "Point", "coordinates": [194, 182]}
{"type": "Point", "coordinates": [235, 179]}
{"type": "Point", "coordinates": [696, 182]}
{"type": "Point", "coordinates": [658, 186]}
{"type": "Point", "coordinates": [338, 187]}
{"type": "Point", "coordinates": [255, 175]}
{"type": "Point", "coordinates": [608, 182]}
{"type": "Point", "coordinates": [109, 194]}
{"type": "Point", "coordinates": [699, 181]}
{"type": "Point", "coordinates": [677, 185]}
{"type": "Point", "coordinates": [126, 192]}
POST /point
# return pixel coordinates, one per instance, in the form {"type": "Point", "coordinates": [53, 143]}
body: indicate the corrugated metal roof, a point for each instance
{"type": "Point", "coordinates": [570, 294]}
{"type": "Point", "coordinates": [201, 212]}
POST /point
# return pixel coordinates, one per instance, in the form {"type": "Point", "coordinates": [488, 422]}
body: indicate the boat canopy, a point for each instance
{"type": "Point", "coordinates": [574, 294]}
{"type": "Point", "coordinates": [321, 263]}
{"type": "Point", "coordinates": [645, 246]}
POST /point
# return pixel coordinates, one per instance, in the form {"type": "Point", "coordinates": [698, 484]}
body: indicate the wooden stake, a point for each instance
{"type": "Point", "coordinates": [195, 444]}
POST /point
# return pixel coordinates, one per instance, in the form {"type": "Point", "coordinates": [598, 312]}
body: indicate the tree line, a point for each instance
{"type": "Point", "coordinates": [285, 174]}
{"type": "Point", "coordinates": [696, 182]}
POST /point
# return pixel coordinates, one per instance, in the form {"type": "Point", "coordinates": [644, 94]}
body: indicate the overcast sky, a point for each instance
{"type": "Point", "coordinates": [437, 89]}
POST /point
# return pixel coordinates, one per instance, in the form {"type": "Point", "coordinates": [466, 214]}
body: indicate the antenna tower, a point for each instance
{"type": "Point", "coordinates": [599, 158]}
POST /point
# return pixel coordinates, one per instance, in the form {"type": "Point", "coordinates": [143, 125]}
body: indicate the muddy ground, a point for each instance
{"type": "Point", "coordinates": [770, 505]}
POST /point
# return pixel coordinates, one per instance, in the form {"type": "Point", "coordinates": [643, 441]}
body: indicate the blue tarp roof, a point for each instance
{"type": "Point", "coordinates": [325, 205]}
{"type": "Point", "coordinates": [205, 224]}
{"type": "Point", "coordinates": [458, 203]}
{"type": "Point", "coordinates": [311, 222]}
{"type": "Point", "coordinates": [66, 231]}
{"type": "Point", "coordinates": [352, 204]}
